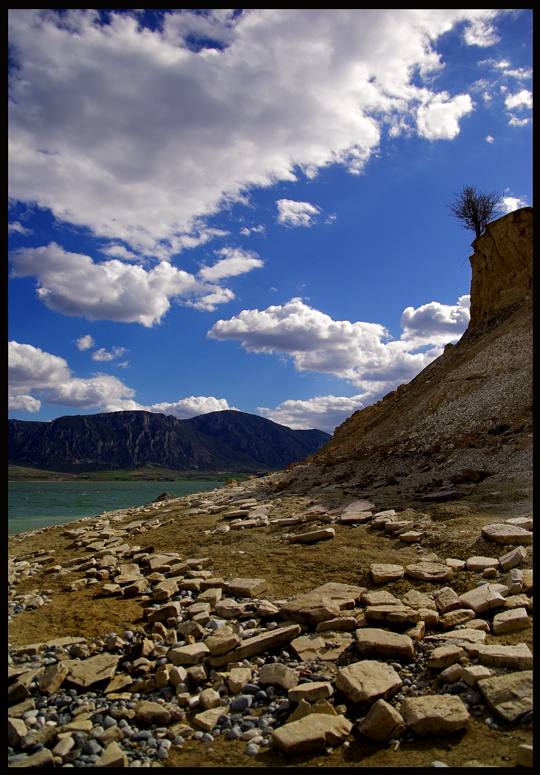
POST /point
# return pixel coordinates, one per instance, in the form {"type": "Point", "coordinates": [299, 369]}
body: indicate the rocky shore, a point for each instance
{"type": "Point", "coordinates": [257, 626]}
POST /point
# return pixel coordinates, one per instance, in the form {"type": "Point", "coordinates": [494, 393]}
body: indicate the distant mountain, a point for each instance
{"type": "Point", "coordinates": [219, 441]}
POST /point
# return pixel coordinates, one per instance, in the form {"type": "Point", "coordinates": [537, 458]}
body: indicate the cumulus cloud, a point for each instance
{"type": "Point", "coordinates": [291, 213]}
{"type": "Point", "coordinates": [511, 203]}
{"type": "Point", "coordinates": [34, 375]}
{"type": "Point", "coordinates": [235, 262]}
{"type": "Point", "coordinates": [140, 134]}
{"type": "Point", "coordinates": [522, 99]}
{"type": "Point", "coordinates": [84, 342]}
{"type": "Point", "coordinates": [323, 412]}
{"type": "Point", "coordinates": [362, 353]}
{"type": "Point", "coordinates": [103, 355]}
{"type": "Point", "coordinates": [73, 284]}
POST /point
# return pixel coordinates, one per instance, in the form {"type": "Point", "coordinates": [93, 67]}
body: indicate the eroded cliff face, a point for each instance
{"type": "Point", "coordinates": [502, 266]}
{"type": "Point", "coordinates": [471, 407]}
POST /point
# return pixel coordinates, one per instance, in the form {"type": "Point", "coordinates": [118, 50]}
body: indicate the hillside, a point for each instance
{"type": "Point", "coordinates": [469, 413]}
{"type": "Point", "coordinates": [219, 441]}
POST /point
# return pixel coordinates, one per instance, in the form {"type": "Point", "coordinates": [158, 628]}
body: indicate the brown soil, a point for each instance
{"type": "Point", "coordinates": [289, 569]}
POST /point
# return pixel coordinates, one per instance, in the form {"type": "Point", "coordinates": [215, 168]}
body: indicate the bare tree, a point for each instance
{"type": "Point", "coordinates": [475, 209]}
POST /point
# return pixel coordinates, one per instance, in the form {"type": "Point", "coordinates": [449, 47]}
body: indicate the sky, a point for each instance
{"type": "Point", "coordinates": [248, 209]}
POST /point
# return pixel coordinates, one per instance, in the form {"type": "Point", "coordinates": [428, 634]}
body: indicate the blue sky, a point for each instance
{"type": "Point", "coordinates": [248, 209]}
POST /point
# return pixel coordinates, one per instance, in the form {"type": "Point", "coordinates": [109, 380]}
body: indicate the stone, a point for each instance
{"type": "Point", "coordinates": [229, 608]}
{"type": "Point", "coordinates": [278, 674]}
{"type": "Point", "coordinates": [428, 571]}
{"type": "Point", "coordinates": [510, 695]}
{"type": "Point", "coordinates": [375, 642]}
{"type": "Point", "coordinates": [444, 656]}
{"type": "Point", "coordinates": [478, 564]}
{"type": "Point", "coordinates": [17, 731]}
{"type": "Point", "coordinates": [516, 657]}
{"type": "Point", "coordinates": [223, 640]}
{"type": "Point", "coordinates": [382, 722]}
{"type": "Point", "coordinates": [341, 624]}
{"type": "Point", "coordinates": [419, 600]}
{"type": "Point", "coordinates": [484, 597]}
{"type": "Point", "coordinates": [165, 589]}
{"type": "Point", "coordinates": [399, 524]}
{"type": "Point", "coordinates": [52, 678]}
{"type": "Point", "coordinates": [368, 681]}
{"type": "Point", "coordinates": [259, 643]}
{"type": "Point", "coordinates": [474, 673]}
{"type": "Point", "coordinates": [454, 564]}
{"type": "Point", "coordinates": [379, 597]}
{"type": "Point", "coordinates": [383, 572]}
{"type": "Point", "coordinates": [310, 609]}
{"type": "Point", "coordinates": [514, 557]}
{"type": "Point", "coordinates": [312, 733]}
{"type": "Point", "coordinates": [458, 616]}
{"type": "Point", "coordinates": [152, 713]}
{"type": "Point", "coordinates": [452, 673]}
{"type": "Point", "coordinates": [505, 533]}
{"type": "Point", "coordinates": [353, 517]}
{"type": "Point", "coordinates": [239, 677]}
{"type": "Point", "coordinates": [524, 755]}
{"type": "Point", "coordinates": [311, 691]}
{"type": "Point", "coordinates": [511, 620]}
{"type": "Point", "coordinates": [209, 698]}
{"type": "Point", "coordinates": [89, 671]}
{"type": "Point", "coordinates": [208, 719]}
{"type": "Point", "coordinates": [191, 654]}
{"type": "Point", "coordinates": [438, 714]}
{"type": "Point", "coordinates": [246, 587]}
{"type": "Point", "coordinates": [514, 581]}
{"type": "Point", "coordinates": [313, 646]}
{"type": "Point", "coordinates": [313, 535]}
{"type": "Point", "coordinates": [42, 758]}
{"type": "Point", "coordinates": [447, 600]}
{"type": "Point", "coordinates": [393, 614]}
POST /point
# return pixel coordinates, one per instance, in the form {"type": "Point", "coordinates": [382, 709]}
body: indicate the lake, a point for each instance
{"type": "Point", "coordinates": [33, 505]}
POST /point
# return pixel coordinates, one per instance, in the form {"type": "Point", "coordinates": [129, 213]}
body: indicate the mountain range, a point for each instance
{"type": "Point", "coordinates": [228, 441]}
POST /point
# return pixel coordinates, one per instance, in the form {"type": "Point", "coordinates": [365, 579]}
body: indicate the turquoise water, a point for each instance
{"type": "Point", "coordinates": [33, 505]}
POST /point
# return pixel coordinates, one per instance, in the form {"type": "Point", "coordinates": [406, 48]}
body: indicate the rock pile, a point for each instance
{"type": "Point", "coordinates": [216, 657]}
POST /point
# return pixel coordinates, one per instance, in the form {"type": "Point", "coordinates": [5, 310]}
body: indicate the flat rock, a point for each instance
{"type": "Point", "coordinates": [247, 587]}
{"type": "Point", "coordinates": [368, 681]}
{"type": "Point", "coordinates": [505, 533]}
{"type": "Point", "coordinates": [312, 733]}
{"type": "Point", "coordinates": [428, 571]}
{"type": "Point", "coordinates": [479, 564]}
{"type": "Point", "coordinates": [516, 657]}
{"type": "Point", "coordinates": [484, 597]}
{"type": "Point", "coordinates": [438, 714]}
{"type": "Point", "coordinates": [313, 646]}
{"type": "Point", "coordinates": [191, 654]}
{"type": "Point", "coordinates": [375, 642]}
{"type": "Point", "coordinates": [90, 671]}
{"type": "Point", "coordinates": [313, 535]}
{"type": "Point", "coordinates": [259, 643]}
{"type": "Point", "coordinates": [152, 713]}
{"type": "Point", "coordinates": [311, 691]}
{"type": "Point", "coordinates": [513, 558]}
{"type": "Point", "coordinates": [511, 620]}
{"type": "Point", "coordinates": [509, 695]}
{"type": "Point", "coordinates": [383, 572]}
{"type": "Point", "coordinates": [278, 674]}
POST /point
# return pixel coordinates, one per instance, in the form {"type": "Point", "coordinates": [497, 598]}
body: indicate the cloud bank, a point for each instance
{"type": "Point", "coordinates": [138, 134]}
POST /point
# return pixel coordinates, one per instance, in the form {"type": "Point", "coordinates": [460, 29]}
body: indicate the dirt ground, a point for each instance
{"type": "Point", "coordinates": [263, 552]}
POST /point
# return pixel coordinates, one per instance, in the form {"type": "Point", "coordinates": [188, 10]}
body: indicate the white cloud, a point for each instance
{"type": "Point", "coordinates": [103, 355]}
{"type": "Point", "coordinates": [439, 118]}
{"type": "Point", "coordinates": [236, 262]}
{"type": "Point", "coordinates": [138, 134]}
{"type": "Point", "coordinates": [323, 412]}
{"type": "Point", "coordinates": [293, 213]}
{"type": "Point", "coordinates": [480, 33]}
{"type": "Point", "coordinates": [71, 283]}
{"type": "Point", "coordinates": [33, 372]}
{"type": "Point", "coordinates": [17, 228]}
{"type": "Point", "coordinates": [191, 407]}
{"type": "Point", "coordinates": [511, 203]}
{"type": "Point", "coordinates": [489, 139]}
{"type": "Point", "coordinates": [362, 353]}
{"type": "Point", "coordinates": [84, 342]}
{"type": "Point", "coordinates": [522, 99]}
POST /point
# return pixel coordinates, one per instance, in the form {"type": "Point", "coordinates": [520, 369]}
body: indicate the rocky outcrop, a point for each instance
{"type": "Point", "coordinates": [471, 409]}
{"type": "Point", "coordinates": [502, 266]}
{"type": "Point", "coordinates": [229, 440]}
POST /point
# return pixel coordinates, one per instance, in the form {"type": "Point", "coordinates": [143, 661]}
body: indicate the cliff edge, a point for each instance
{"type": "Point", "coordinates": [468, 411]}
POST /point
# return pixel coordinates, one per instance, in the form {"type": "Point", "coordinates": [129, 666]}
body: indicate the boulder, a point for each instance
{"type": "Point", "coordinates": [505, 533]}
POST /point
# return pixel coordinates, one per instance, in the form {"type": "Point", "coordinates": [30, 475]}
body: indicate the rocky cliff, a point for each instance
{"type": "Point", "coordinates": [218, 441]}
{"type": "Point", "coordinates": [470, 411]}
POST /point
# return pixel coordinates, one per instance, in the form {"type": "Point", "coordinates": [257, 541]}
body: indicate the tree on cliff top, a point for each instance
{"type": "Point", "coordinates": [475, 209]}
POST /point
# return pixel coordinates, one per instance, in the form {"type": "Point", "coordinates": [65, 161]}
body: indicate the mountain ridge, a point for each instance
{"type": "Point", "coordinates": [229, 440]}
